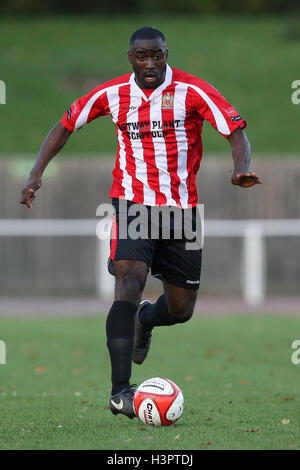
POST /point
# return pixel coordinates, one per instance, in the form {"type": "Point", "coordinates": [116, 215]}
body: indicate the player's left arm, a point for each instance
{"type": "Point", "coordinates": [241, 154]}
{"type": "Point", "coordinates": [206, 100]}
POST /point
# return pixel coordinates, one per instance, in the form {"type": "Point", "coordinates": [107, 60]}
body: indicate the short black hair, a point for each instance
{"type": "Point", "coordinates": [146, 32]}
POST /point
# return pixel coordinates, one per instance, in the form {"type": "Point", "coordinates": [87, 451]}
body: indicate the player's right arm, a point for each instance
{"type": "Point", "coordinates": [85, 109]}
{"type": "Point", "coordinates": [82, 111]}
{"type": "Point", "coordinates": [52, 144]}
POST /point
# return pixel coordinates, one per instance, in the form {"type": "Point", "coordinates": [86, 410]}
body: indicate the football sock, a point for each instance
{"type": "Point", "coordinates": [156, 314]}
{"type": "Point", "coordinates": [120, 334]}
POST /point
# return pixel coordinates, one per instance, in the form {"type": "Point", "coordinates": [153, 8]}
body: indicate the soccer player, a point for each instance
{"type": "Point", "coordinates": [158, 112]}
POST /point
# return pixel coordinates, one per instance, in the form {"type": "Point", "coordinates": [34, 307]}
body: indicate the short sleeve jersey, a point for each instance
{"type": "Point", "coordinates": [159, 135]}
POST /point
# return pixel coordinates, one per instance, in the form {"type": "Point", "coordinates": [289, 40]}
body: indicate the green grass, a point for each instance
{"type": "Point", "coordinates": [235, 373]}
{"type": "Point", "coordinates": [48, 62]}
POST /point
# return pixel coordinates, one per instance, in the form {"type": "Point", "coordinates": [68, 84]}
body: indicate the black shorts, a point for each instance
{"type": "Point", "coordinates": [168, 257]}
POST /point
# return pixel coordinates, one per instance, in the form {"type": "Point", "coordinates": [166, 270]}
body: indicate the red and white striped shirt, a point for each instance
{"type": "Point", "coordinates": [159, 136]}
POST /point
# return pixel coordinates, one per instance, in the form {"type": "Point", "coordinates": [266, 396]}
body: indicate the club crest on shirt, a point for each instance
{"type": "Point", "coordinates": [167, 101]}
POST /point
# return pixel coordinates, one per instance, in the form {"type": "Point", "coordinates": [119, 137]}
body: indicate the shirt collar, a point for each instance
{"type": "Point", "coordinates": [165, 84]}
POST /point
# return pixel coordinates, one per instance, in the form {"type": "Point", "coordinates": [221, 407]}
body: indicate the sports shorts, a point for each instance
{"type": "Point", "coordinates": [159, 237]}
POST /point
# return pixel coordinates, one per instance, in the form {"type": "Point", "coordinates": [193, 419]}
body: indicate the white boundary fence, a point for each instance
{"type": "Point", "coordinates": [253, 232]}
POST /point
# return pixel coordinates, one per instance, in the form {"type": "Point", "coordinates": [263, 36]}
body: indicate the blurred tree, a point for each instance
{"type": "Point", "coordinates": [67, 6]}
{"type": "Point", "coordinates": [225, 6]}
{"type": "Point", "coordinates": [168, 6]}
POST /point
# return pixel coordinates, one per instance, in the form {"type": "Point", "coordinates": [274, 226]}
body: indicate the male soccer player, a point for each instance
{"type": "Point", "coordinates": [159, 112]}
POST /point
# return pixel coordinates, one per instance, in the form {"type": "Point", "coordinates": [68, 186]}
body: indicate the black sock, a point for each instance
{"type": "Point", "coordinates": [120, 334]}
{"type": "Point", "coordinates": [156, 314]}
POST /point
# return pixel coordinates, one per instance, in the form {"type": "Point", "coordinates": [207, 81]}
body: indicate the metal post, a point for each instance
{"type": "Point", "coordinates": [105, 282]}
{"type": "Point", "coordinates": [253, 267]}
{"type": "Point", "coordinates": [2, 352]}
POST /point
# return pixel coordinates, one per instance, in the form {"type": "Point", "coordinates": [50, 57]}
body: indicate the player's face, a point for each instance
{"type": "Point", "coordinates": [148, 58]}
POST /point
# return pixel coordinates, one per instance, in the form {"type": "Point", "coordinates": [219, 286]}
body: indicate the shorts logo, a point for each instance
{"type": "Point", "coordinates": [167, 101]}
{"type": "Point", "coordinates": [192, 282]}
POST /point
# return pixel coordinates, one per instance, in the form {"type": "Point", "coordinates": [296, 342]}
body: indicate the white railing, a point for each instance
{"type": "Point", "coordinates": [253, 232]}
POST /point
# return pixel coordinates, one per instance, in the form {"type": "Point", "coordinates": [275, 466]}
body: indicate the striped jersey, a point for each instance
{"type": "Point", "coordinates": [159, 133]}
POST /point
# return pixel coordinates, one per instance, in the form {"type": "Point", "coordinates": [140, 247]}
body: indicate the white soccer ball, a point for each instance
{"type": "Point", "coordinates": [158, 402]}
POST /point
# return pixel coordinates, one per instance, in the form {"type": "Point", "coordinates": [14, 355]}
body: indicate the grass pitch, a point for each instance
{"type": "Point", "coordinates": [241, 389]}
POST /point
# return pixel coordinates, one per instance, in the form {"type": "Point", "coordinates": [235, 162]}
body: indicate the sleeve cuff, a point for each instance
{"type": "Point", "coordinates": [65, 123]}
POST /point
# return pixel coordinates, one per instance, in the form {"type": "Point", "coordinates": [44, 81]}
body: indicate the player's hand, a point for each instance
{"type": "Point", "coordinates": [28, 194]}
{"type": "Point", "coordinates": [245, 180]}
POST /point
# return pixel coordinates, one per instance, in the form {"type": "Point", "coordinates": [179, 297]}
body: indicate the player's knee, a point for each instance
{"type": "Point", "coordinates": [130, 281]}
{"type": "Point", "coordinates": [182, 314]}
{"type": "Point", "coordinates": [129, 288]}
{"type": "Point", "coordinates": [181, 308]}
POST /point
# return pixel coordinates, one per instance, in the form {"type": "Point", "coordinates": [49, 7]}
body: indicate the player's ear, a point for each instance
{"type": "Point", "coordinates": [129, 55]}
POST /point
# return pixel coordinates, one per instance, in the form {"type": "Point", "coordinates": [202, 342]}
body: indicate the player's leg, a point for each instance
{"type": "Point", "coordinates": [130, 278]}
{"type": "Point", "coordinates": [129, 260]}
{"type": "Point", "coordinates": [176, 305]}
{"type": "Point", "coordinates": [180, 269]}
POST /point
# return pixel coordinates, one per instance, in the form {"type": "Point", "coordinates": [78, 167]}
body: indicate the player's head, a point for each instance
{"type": "Point", "coordinates": [148, 54]}
{"type": "Point", "coordinates": [147, 32]}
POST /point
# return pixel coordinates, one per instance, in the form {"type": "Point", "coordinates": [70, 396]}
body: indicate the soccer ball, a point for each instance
{"type": "Point", "coordinates": [158, 402]}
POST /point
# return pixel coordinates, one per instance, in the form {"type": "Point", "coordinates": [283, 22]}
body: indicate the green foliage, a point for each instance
{"type": "Point", "coordinates": [174, 6]}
